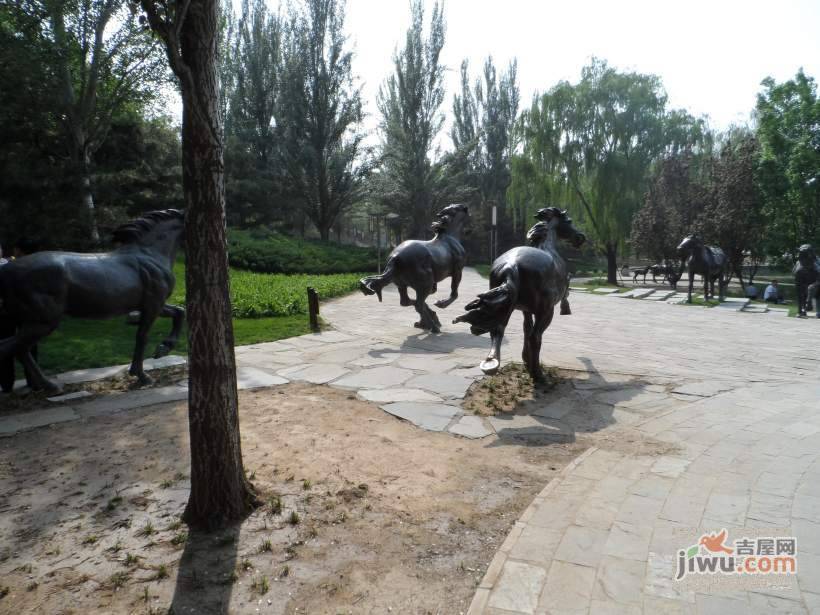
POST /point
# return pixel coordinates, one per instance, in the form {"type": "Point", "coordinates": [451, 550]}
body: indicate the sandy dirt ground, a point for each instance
{"type": "Point", "coordinates": [363, 513]}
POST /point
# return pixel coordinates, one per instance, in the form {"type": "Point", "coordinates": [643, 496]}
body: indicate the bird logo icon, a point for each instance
{"type": "Point", "coordinates": [714, 542]}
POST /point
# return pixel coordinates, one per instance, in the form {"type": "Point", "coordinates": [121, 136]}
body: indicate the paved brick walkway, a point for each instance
{"type": "Point", "coordinates": [732, 399]}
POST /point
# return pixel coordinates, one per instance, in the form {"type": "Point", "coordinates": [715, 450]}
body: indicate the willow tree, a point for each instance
{"type": "Point", "coordinates": [220, 492]}
{"type": "Point", "coordinates": [593, 143]}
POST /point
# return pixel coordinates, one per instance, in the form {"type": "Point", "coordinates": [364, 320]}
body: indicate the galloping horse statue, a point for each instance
{"type": "Point", "coordinates": [807, 279]}
{"type": "Point", "coordinates": [422, 264]}
{"type": "Point", "coordinates": [709, 262]}
{"type": "Point", "coordinates": [530, 278]}
{"type": "Point", "coordinates": [36, 291]}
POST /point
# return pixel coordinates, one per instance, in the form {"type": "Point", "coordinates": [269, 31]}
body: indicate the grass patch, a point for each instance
{"type": "Point", "coordinates": [267, 307]}
{"type": "Point", "coordinates": [83, 344]}
{"type": "Point", "coordinates": [483, 270]}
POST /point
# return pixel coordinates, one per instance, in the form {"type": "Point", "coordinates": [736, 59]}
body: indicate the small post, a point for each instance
{"type": "Point", "coordinates": [313, 308]}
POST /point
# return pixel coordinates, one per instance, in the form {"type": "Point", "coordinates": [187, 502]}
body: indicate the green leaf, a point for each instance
{"type": "Point", "coordinates": [692, 552]}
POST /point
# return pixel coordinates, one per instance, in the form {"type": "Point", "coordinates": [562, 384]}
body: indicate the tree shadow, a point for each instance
{"type": "Point", "coordinates": [574, 406]}
{"type": "Point", "coordinates": [207, 572]}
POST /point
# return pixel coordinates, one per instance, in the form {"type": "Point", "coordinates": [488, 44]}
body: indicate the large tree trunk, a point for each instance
{"type": "Point", "coordinates": [611, 264]}
{"type": "Point", "coordinates": [88, 197]}
{"type": "Point", "coordinates": [220, 492]}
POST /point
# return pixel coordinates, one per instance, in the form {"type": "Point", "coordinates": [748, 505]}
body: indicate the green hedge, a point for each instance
{"type": "Point", "coordinates": [266, 251]}
{"type": "Point", "coordinates": [261, 295]}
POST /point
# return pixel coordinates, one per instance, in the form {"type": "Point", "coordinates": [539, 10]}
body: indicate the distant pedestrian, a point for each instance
{"type": "Point", "coordinates": [772, 293]}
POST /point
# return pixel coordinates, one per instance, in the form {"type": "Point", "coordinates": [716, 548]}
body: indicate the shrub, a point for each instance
{"type": "Point", "coordinates": [266, 251]}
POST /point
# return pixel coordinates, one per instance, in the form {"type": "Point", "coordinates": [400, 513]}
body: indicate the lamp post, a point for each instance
{"type": "Point", "coordinates": [375, 220]}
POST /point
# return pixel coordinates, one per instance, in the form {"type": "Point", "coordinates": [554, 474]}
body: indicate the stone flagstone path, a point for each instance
{"type": "Point", "coordinates": [734, 400]}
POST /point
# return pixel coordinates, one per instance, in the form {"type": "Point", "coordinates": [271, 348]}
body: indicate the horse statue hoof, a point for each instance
{"type": "Point", "coordinates": [490, 366]}
{"type": "Point", "coordinates": [161, 351]}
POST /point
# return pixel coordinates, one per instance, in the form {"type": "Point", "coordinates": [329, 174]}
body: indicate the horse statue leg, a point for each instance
{"type": "Point", "coordinates": [147, 318]}
{"type": "Point", "coordinates": [177, 314]}
{"type": "Point", "coordinates": [404, 298]}
{"type": "Point", "coordinates": [20, 345]}
{"type": "Point", "coordinates": [456, 280]}
{"type": "Point", "coordinates": [533, 344]}
{"type": "Point", "coordinates": [427, 317]}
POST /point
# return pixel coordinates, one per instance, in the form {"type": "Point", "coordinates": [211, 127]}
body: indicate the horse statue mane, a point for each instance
{"type": "Point", "coordinates": [548, 213]}
{"type": "Point", "coordinates": [133, 231]}
{"type": "Point", "coordinates": [443, 218]}
{"type": "Point", "coordinates": [537, 233]}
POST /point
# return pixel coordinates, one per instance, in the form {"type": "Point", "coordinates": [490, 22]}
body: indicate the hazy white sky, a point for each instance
{"type": "Point", "coordinates": [711, 55]}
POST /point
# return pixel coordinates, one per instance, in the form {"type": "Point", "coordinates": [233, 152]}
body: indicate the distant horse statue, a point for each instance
{"type": "Point", "coordinates": [422, 264]}
{"type": "Point", "coordinates": [36, 291]}
{"type": "Point", "coordinates": [530, 278]}
{"type": "Point", "coordinates": [709, 262]}
{"type": "Point", "coordinates": [807, 279]}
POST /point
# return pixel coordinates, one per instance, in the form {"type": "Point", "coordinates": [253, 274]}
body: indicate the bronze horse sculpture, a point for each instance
{"type": "Point", "coordinates": [530, 278]}
{"type": "Point", "coordinates": [807, 279]}
{"type": "Point", "coordinates": [420, 265]}
{"type": "Point", "coordinates": [707, 261]}
{"type": "Point", "coordinates": [36, 291]}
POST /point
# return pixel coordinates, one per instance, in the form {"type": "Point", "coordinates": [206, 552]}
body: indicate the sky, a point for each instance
{"type": "Point", "coordinates": [711, 55]}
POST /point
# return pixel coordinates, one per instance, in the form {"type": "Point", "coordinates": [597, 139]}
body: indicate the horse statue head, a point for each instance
{"type": "Point", "coordinates": [557, 219]}
{"type": "Point", "coordinates": [451, 219]}
{"type": "Point", "coordinates": [689, 244]}
{"type": "Point", "coordinates": [806, 255]}
{"type": "Point", "coordinates": [156, 230]}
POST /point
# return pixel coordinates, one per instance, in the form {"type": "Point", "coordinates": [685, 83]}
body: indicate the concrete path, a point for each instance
{"type": "Point", "coordinates": [730, 401]}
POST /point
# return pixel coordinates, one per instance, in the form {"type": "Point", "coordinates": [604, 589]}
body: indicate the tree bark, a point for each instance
{"type": "Point", "coordinates": [611, 264]}
{"type": "Point", "coordinates": [220, 492]}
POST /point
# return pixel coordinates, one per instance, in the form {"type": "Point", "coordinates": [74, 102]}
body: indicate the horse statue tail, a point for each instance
{"type": "Point", "coordinates": [491, 309]}
{"type": "Point", "coordinates": [372, 285]}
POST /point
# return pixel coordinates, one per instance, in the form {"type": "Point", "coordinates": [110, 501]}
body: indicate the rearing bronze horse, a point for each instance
{"type": "Point", "coordinates": [422, 264]}
{"type": "Point", "coordinates": [37, 290]}
{"type": "Point", "coordinates": [532, 279]}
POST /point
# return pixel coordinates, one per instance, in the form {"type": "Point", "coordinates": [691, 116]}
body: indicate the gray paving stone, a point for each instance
{"type": "Point", "coordinates": [252, 378]}
{"type": "Point", "coordinates": [620, 580]}
{"type": "Point", "coordinates": [318, 373]}
{"type": "Point", "coordinates": [603, 290]}
{"type": "Point", "coordinates": [15, 423]}
{"type": "Point", "coordinates": [432, 417]}
{"type": "Point", "coordinates": [446, 385]}
{"type": "Point", "coordinates": [518, 587]}
{"type": "Point", "coordinates": [470, 427]}
{"type": "Point", "coordinates": [582, 545]}
{"type": "Point", "coordinates": [58, 399]}
{"type": "Point", "coordinates": [376, 378]}
{"type": "Point", "coordinates": [91, 375]}
{"type": "Point", "coordinates": [704, 389]}
{"type": "Point", "coordinates": [111, 404]}
{"type": "Point", "coordinates": [568, 588]}
{"type": "Point", "coordinates": [393, 395]}
{"type": "Point", "coordinates": [170, 360]}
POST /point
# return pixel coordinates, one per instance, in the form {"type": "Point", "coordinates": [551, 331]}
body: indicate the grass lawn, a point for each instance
{"type": "Point", "coordinates": [81, 344]}
{"type": "Point", "coordinates": [483, 270]}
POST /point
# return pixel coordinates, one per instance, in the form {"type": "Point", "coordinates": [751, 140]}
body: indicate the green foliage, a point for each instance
{"type": "Point", "coordinates": [410, 183]}
{"type": "Point", "coordinates": [789, 133]}
{"type": "Point", "coordinates": [319, 124]}
{"type": "Point", "coordinates": [592, 145]}
{"type": "Point", "coordinates": [269, 252]}
{"type": "Point", "coordinates": [483, 125]}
